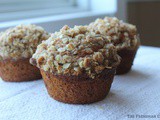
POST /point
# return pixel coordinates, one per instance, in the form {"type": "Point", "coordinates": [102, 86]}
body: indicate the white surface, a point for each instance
{"type": "Point", "coordinates": [137, 92]}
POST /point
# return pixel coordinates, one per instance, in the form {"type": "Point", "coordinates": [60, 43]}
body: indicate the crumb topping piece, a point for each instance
{"type": "Point", "coordinates": [21, 41]}
{"type": "Point", "coordinates": [73, 51]}
{"type": "Point", "coordinates": [121, 34]}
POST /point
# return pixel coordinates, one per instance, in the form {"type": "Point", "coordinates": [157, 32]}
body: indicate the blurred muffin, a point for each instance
{"type": "Point", "coordinates": [16, 47]}
{"type": "Point", "coordinates": [77, 66]}
{"type": "Point", "coordinates": [123, 35]}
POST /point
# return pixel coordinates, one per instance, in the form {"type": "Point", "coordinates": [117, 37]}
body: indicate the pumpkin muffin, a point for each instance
{"type": "Point", "coordinates": [16, 48]}
{"type": "Point", "coordinates": [124, 37]}
{"type": "Point", "coordinates": [77, 65]}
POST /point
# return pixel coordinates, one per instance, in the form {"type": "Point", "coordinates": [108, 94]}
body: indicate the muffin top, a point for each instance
{"type": "Point", "coordinates": [122, 35]}
{"type": "Point", "coordinates": [21, 41]}
{"type": "Point", "coordinates": [74, 51]}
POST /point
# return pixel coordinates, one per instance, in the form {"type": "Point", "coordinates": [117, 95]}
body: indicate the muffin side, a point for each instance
{"type": "Point", "coordinates": [78, 89]}
{"type": "Point", "coordinates": [18, 71]}
{"type": "Point", "coordinates": [127, 58]}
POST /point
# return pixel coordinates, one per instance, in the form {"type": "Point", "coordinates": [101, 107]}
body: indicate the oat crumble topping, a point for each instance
{"type": "Point", "coordinates": [21, 41]}
{"type": "Point", "coordinates": [122, 35]}
{"type": "Point", "coordinates": [73, 51]}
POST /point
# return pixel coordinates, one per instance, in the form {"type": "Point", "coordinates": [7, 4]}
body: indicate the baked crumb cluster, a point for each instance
{"type": "Point", "coordinates": [21, 41]}
{"type": "Point", "coordinates": [73, 51]}
{"type": "Point", "coordinates": [122, 35]}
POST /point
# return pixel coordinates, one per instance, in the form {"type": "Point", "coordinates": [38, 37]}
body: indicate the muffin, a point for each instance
{"type": "Point", "coordinates": [77, 65]}
{"type": "Point", "coordinates": [124, 37]}
{"type": "Point", "coordinates": [16, 48]}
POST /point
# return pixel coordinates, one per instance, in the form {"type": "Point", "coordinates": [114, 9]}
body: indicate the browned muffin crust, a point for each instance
{"type": "Point", "coordinates": [121, 34]}
{"type": "Point", "coordinates": [21, 41]}
{"type": "Point", "coordinates": [78, 89]}
{"type": "Point", "coordinates": [18, 70]}
{"type": "Point", "coordinates": [74, 50]}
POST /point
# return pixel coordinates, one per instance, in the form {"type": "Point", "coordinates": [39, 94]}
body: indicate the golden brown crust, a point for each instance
{"type": "Point", "coordinates": [83, 50]}
{"type": "Point", "coordinates": [121, 34]}
{"type": "Point", "coordinates": [21, 41]}
{"type": "Point", "coordinates": [124, 37]}
{"type": "Point", "coordinates": [18, 70]}
{"type": "Point", "coordinates": [78, 89]}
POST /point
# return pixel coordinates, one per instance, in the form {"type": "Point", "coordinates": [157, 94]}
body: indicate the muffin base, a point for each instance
{"type": "Point", "coordinates": [18, 70]}
{"type": "Point", "coordinates": [126, 63]}
{"type": "Point", "coordinates": [78, 89]}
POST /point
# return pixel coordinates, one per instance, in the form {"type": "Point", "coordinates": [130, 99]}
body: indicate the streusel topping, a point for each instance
{"type": "Point", "coordinates": [73, 51]}
{"type": "Point", "coordinates": [21, 41]}
{"type": "Point", "coordinates": [122, 35]}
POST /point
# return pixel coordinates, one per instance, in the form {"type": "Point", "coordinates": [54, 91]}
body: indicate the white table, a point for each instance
{"type": "Point", "coordinates": [133, 94]}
